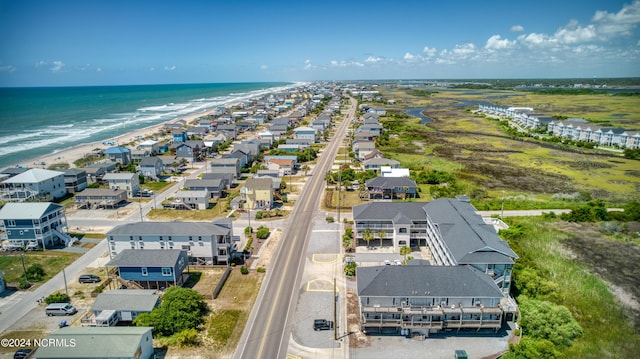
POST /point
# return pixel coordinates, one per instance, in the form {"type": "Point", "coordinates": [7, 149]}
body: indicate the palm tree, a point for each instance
{"type": "Point", "coordinates": [381, 235]}
{"type": "Point", "coordinates": [404, 250]}
{"type": "Point", "coordinates": [367, 235]}
{"type": "Point", "coordinates": [305, 168]}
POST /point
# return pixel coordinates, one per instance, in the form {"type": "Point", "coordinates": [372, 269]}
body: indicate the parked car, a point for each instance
{"type": "Point", "coordinates": [60, 309]}
{"type": "Point", "coordinates": [322, 324]}
{"type": "Point", "coordinates": [22, 353]}
{"type": "Point", "coordinates": [88, 278]}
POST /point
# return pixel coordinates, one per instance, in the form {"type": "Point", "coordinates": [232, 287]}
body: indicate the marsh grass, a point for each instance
{"type": "Point", "coordinates": [607, 331]}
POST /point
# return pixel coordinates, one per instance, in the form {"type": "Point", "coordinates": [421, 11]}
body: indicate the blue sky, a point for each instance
{"type": "Point", "coordinates": [89, 42]}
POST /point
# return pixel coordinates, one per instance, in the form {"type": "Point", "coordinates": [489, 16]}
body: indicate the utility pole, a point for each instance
{"type": "Point", "coordinates": [502, 208]}
{"type": "Point", "coordinates": [24, 268]}
{"type": "Point", "coordinates": [64, 276]}
{"type": "Point", "coordinates": [335, 310]}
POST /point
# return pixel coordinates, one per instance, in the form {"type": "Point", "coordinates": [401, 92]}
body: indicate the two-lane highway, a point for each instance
{"type": "Point", "coordinates": [267, 332]}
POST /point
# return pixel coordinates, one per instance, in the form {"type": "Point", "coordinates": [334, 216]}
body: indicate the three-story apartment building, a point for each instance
{"type": "Point", "coordinates": [205, 242]}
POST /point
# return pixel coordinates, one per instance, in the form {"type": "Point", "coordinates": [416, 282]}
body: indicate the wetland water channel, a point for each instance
{"type": "Point", "coordinates": [417, 111]}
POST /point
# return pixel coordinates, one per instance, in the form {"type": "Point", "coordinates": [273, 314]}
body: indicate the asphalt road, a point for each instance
{"type": "Point", "coordinates": [15, 310]}
{"type": "Point", "coordinates": [268, 329]}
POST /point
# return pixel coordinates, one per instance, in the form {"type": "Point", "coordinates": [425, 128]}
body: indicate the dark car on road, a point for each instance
{"type": "Point", "coordinates": [322, 324]}
{"type": "Point", "coordinates": [22, 353]}
{"type": "Point", "coordinates": [88, 278]}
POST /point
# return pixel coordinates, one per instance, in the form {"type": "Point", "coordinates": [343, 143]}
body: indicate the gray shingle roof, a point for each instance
{"type": "Point", "coordinates": [466, 235]}
{"type": "Point", "coordinates": [420, 281]}
{"type": "Point", "coordinates": [146, 258]}
{"type": "Point", "coordinates": [219, 226]}
{"type": "Point", "coordinates": [390, 182]}
{"type": "Point", "coordinates": [135, 300]}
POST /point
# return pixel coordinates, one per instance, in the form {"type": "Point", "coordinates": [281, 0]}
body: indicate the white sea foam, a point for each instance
{"type": "Point", "coordinates": [65, 135]}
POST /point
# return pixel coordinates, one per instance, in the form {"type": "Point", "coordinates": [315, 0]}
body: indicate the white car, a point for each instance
{"type": "Point", "coordinates": [387, 262]}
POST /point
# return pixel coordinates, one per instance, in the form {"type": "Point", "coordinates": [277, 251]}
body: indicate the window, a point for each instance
{"type": "Point", "coordinates": [139, 238]}
{"type": "Point", "coordinates": [161, 239]}
{"type": "Point", "coordinates": [199, 238]}
{"type": "Point", "coordinates": [403, 230]}
{"type": "Point", "coordinates": [11, 223]}
{"type": "Point", "coordinates": [144, 271]}
{"type": "Point", "coordinates": [130, 238]}
{"type": "Point", "coordinates": [166, 271]}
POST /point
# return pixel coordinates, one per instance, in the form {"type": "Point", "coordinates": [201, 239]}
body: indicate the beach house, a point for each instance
{"type": "Point", "coordinates": [75, 180]}
{"type": "Point", "coordinates": [191, 199]}
{"type": "Point", "coordinates": [305, 132]}
{"type": "Point", "coordinates": [33, 225]}
{"type": "Point", "coordinates": [94, 198]}
{"type": "Point", "coordinates": [151, 167]}
{"type": "Point", "coordinates": [390, 188]}
{"type": "Point", "coordinates": [206, 243]}
{"type": "Point", "coordinates": [120, 306]}
{"type": "Point", "coordinates": [151, 268]}
{"type": "Point", "coordinates": [124, 180]}
{"type": "Point", "coordinates": [226, 165]}
{"type": "Point", "coordinates": [33, 185]}
{"type": "Point", "coordinates": [258, 193]}
{"type": "Point", "coordinates": [120, 155]}
{"type": "Point", "coordinates": [213, 186]}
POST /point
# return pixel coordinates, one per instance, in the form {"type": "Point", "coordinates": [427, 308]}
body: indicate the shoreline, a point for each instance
{"type": "Point", "coordinates": [68, 155]}
{"type": "Point", "coordinates": [71, 154]}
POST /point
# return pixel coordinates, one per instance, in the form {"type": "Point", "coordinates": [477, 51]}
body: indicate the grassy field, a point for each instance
{"type": "Point", "coordinates": [488, 161]}
{"type": "Point", "coordinates": [52, 261]}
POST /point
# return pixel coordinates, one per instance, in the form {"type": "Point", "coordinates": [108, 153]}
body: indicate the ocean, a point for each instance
{"type": "Point", "coordinates": [39, 121]}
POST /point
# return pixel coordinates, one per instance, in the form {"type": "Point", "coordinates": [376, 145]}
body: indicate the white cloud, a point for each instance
{"type": "Point", "coordinates": [573, 33]}
{"type": "Point", "coordinates": [99, 69]}
{"type": "Point", "coordinates": [374, 59]}
{"type": "Point", "coordinates": [264, 67]}
{"type": "Point", "coordinates": [517, 28]}
{"type": "Point", "coordinates": [495, 42]}
{"type": "Point", "coordinates": [464, 50]}
{"type": "Point", "coordinates": [57, 66]}
{"type": "Point", "coordinates": [622, 22]}
{"type": "Point", "coordinates": [170, 68]}
{"type": "Point", "coordinates": [308, 65]}
{"type": "Point", "coordinates": [428, 51]}
{"type": "Point", "coordinates": [152, 68]}
{"type": "Point", "coordinates": [7, 68]}
{"type": "Point", "coordinates": [344, 63]}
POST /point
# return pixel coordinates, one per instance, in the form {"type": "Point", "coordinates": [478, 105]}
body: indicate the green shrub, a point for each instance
{"type": "Point", "coordinates": [350, 269]}
{"type": "Point", "coordinates": [35, 272]}
{"type": "Point", "coordinates": [261, 270]}
{"type": "Point", "coordinates": [187, 337]}
{"type": "Point", "coordinates": [57, 298]}
{"type": "Point", "coordinates": [24, 284]}
{"type": "Point", "coordinates": [262, 232]}
{"type": "Point", "coordinates": [329, 219]}
{"type": "Point", "coordinates": [244, 270]}
{"type": "Point", "coordinates": [248, 230]}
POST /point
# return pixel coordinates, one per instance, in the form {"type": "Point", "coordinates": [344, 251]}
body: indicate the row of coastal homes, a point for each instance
{"type": "Point", "coordinates": [576, 129]}
{"type": "Point", "coordinates": [465, 285]}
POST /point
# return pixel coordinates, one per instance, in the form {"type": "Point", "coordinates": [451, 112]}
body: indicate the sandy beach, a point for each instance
{"type": "Point", "coordinates": [69, 155]}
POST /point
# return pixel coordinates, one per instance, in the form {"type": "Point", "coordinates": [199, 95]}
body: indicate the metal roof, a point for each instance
{"type": "Point", "coordinates": [34, 175]}
{"type": "Point", "coordinates": [28, 210]}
